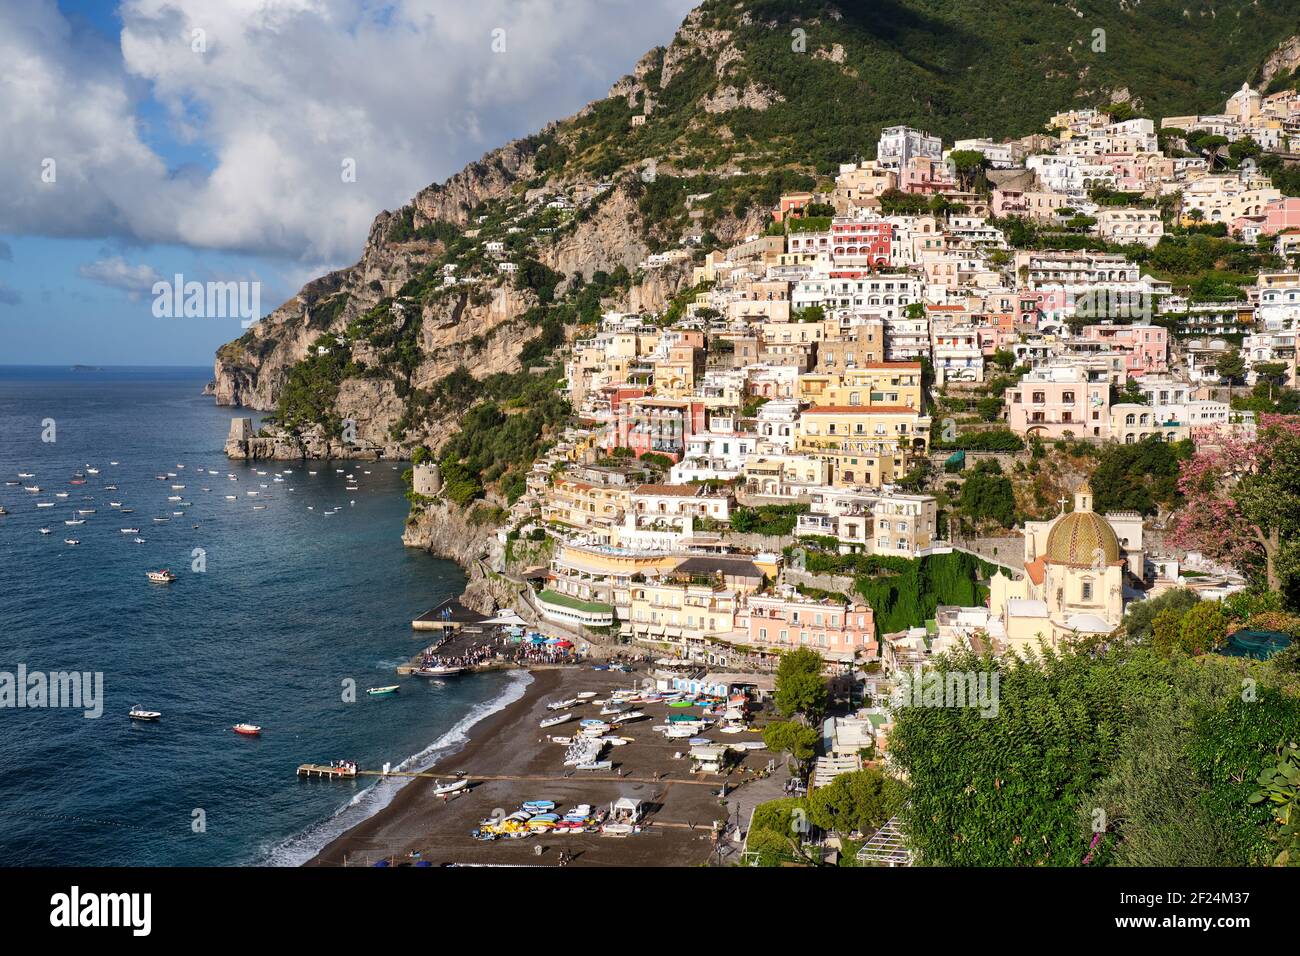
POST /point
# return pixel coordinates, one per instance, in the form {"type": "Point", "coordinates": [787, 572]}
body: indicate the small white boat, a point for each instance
{"type": "Point", "coordinates": [115, 504]}
{"type": "Point", "coordinates": [45, 504]}
{"type": "Point", "coordinates": [75, 521]}
{"type": "Point", "coordinates": [129, 530]}
{"type": "Point", "coordinates": [441, 788]}
{"type": "Point", "coordinates": [160, 577]}
{"type": "Point", "coordinates": [91, 471]}
{"type": "Point", "coordinates": [71, 541]}
{"type": "Point", "coordinates": [563, 704]}
{"type": "Point", "coordinates": [34, 489]}
{"type": "Point", "coordinates": [45, 530]}
{"type": "Point", "coordinates": [586, 695]}
{"type": "Point", "coordinates": [60, 494]}
{"type": "Point", "coordinates": [25, 474]}
{"type": "Point", "coordinates": [85, 511]}
{"type": "Point", "coordinates": [555, 721]}
{"type": "Point", "coordinates": [139, 540]}
{"type": "Point", "coordinates": [139, 713]}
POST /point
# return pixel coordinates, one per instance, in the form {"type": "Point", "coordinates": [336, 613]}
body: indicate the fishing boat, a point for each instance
{"type": "Point", "coordinates": [161, 577]}
{"type": "Point", "coordinates": [564, 704]}
{"type": "Point", "coordinates": [383, 691]}
{"type": "Point", "coordinates": [139, 713]}
{"type": "Point", "coordinates": [555, 721]}
{"type": "Point", "coordinates": [248, 730]}
{"type": "Point", "coordinates": [444, 670]}
{"type": "Point", "coordinates": [75, 521]}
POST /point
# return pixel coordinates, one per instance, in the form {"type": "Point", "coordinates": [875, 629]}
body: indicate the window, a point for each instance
{"type": "Point", "coordinates": [1087, 590]}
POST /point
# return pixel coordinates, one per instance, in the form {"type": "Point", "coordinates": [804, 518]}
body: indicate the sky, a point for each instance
{"type": "Point", "coordinates": [253, 141]}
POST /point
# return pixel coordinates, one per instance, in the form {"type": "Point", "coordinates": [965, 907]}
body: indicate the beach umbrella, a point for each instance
{"type": "Point", "coordinates": [564, 644]}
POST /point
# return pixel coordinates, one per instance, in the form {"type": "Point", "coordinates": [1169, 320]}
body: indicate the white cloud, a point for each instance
{"type": "Point", "coordinates": [285, 91]}
{"type": "Point", "coordinates": [116, 273]}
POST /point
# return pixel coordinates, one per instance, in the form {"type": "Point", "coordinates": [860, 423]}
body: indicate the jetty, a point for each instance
{"type": "Point", "coordinates": [450, 616]}
{"type": "Point", "coordinates": [326, 771]}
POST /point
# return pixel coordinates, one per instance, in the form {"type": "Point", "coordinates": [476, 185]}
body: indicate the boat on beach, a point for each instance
{"type": "Point", "coordinates": [443, 788]}
{"type": "Point", "coordinates": [564, 704]}
{"type": "Point", "coordinates": [555, 721]}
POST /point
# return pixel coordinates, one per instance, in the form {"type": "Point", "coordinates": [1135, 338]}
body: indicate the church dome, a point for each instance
{"type": "Point", "coordinates": [1075, 538]}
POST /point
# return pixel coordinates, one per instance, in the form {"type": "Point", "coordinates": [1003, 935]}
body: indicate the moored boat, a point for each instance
{"type": "Point", "coordinates": [382, 691]}
{"type": "Point", "coordinates": [247, 730]}
{"type": "Point", "coordinates": [161, 577]}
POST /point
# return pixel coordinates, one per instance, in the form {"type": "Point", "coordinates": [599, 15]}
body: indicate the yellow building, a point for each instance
{"type": "Point", "coordinates": [581, 504]}
{"type": "Point", "coordinates": [1074, 588]}
{"type": "Point", "coordinates": [877, 384]}
{"type": "Point", "coordinates": [863, 445]}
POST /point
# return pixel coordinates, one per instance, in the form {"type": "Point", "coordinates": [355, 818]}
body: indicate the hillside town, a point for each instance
{"type": "Point", "coordinates": [784, 417]}
{"type": "Point", "coordinates": [938, 409]}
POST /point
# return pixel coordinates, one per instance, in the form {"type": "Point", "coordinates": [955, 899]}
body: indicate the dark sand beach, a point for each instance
{"type": "Point", "coordinates": [509, 745]}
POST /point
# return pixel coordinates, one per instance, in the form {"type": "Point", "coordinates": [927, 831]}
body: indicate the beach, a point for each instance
{"type": "Point", "coordinates": [509, 760]}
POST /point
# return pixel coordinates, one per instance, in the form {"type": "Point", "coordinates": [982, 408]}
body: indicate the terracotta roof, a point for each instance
{"type": "Point", "coordinates": [1036, 571]}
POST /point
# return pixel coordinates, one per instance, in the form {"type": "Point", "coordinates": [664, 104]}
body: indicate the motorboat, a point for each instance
{"type": "Point", "coordinates": [444, 670]}
{"type": "Point", "coordinates": [45, 530]}
{"type": "Point", "coordinates": [441, 788]}
{"type": "Point", "coordinates": [383, 691]}
{"type": "Point", "coordinates": [139, 540]}
{"type": "Point", "coordinates": [555, 721]}
{"type": "Point", "coordinates": [161, 577]}
{"type": "Point", "coordinates": [129, 530]}
{"type": "Point", "coordinates": [248, 730]}
{"type": "Point", "coordinates": [39, 504]}
{"type": "Point", "coordinates": [139, 713]}
{"type": "Point", "coordinates": [75, 521]}
{"type": "Point", "coordinates": [71, 541]}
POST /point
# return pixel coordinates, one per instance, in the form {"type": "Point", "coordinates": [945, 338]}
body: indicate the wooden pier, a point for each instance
{"type": "Point", "coordinates": [327, 772]}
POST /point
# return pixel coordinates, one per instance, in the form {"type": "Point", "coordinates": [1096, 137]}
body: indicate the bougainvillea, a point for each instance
{"type": "Point", "coordinates": [1243, 501]}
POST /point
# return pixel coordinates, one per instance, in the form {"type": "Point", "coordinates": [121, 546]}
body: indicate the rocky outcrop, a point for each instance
{"type": "Point", "coordinates": [445, 530]}
{"type": "Point", "coordinates": [1283, 61]}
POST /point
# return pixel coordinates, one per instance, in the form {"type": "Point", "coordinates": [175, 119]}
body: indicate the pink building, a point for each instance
{"type": "Point", "coordinates": [850, 237]}
{"type": "Point", "coordinates": [1146, 346]}
{"type": "Point", "coordinates": [1053, 400]}
{"type": "Point", "coordinates": [926, 176]}
{"type": "Point", "coordinates": [840, 632]}
{"type": "Point", "coordinates": [1277, 215]}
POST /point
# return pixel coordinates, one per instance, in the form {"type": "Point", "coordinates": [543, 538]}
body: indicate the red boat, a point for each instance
{"type": "Point", "coordinates": [76, 481]}
{"type": "Point", "coordinates": [248, 730]}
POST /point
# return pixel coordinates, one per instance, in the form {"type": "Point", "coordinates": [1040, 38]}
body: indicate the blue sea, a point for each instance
{"type": "Point", "coordinates": [283, 608]}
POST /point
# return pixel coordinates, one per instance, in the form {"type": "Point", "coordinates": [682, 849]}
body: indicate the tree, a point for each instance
{"type": "Point", "coordinates": [1243, 502]}
{"type": "Point", "coordinates": [1140, 615]}
{"type": "Point", "coordinates": [800, 687]}
{"type": "Point", "coordinates": [1203, 628]}
{"type": "Point", "coordinates": [797, 741]}
{"type": "Point", "coordinates": [862, 801]}
{"type": "Point", "coordinates": [969, 164]}
{"type": "Point", "coordinates": [1231, 366]}
{"type": "Point", "coordinates": [988, 494]}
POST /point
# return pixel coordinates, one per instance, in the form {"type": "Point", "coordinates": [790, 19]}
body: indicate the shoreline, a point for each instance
{"type": "Point", "coordinates": [508, 760]}
{"type": "Point", "coordinates": [404, 803]}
